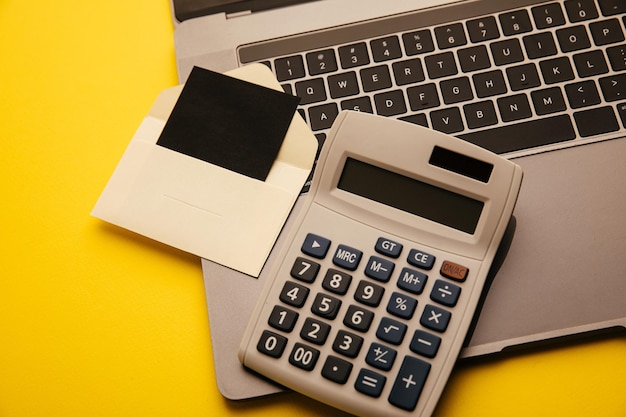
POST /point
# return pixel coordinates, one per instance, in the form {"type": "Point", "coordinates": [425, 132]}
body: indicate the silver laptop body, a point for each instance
{"type": "Point", "coordinates": [563, 274]}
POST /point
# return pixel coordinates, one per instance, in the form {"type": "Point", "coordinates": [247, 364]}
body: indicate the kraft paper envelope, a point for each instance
{"type": "Point", "coordinates": [201, 208]}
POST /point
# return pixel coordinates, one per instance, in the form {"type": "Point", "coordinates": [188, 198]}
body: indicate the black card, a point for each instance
{"type": "Point", "coordinates": [228, 122]}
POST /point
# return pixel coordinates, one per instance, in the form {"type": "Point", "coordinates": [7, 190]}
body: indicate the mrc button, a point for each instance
{"type": "Point", "coordinates": [421, 259]}
{"type": "Point", "coordinates": [347, 257]}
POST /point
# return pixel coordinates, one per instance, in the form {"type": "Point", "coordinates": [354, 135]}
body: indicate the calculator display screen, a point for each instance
{"type": "Point", "coordinates": [411, 195]}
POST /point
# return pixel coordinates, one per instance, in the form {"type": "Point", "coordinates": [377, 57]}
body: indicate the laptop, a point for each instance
{"type": "Point", "coordinates": [543, 83]}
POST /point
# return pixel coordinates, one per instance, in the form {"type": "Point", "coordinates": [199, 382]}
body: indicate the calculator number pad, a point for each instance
{"type": "Point", "coordinates": [354, 301]}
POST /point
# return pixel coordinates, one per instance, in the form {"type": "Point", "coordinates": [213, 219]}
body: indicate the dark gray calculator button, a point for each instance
{"type": "Point", "coordinates": [283, 318]}
{"type": "Point", "coordinates": [435, 318]}
{"type": "Point", "coordinates": [391, 331]}
{"type": "Point", "coordinates": [305, 270]}
{"type": "Point", "coordinates": [315, 246]}
{"type": "Point", "coordinates": [315, 331]}
{"type": "Point", "coordinates": [425, 344]}
{"type": "Point", "coordinates": [421, 259]}
{"type": "Point", "coordinates": [412, 281]}
{"type": "Point", "coordinates": [358, 318]}
{"type": "Point", "coordinates": [347, 344]}
{"type": "Point", "coordinates": [347, 257]}
{"type": "Point", "coordinates": [401, 305]}
{"type": "Point", "coordinates": [380, 356]}
{"type": "Point", "coordinates": [388, 247]}
{"type": "Point", "coordinates": [379, 268]}
{"type": "Point", "coordinates": [326, 306]}
{"type": "Point", "coordinates": [369, 293]}
{"type": "Point", "coordinates": [272, 344]}
{"type": "Point", "coordinates": [304, 357]}
{"type": "Point", "coordinates": [445, 293]}
{"type": "Point", "coordinates": [409, 383]}
{"type": "Point", "coordinates": [294, 294]}
{"type": "Point", "coordinates": [336, 281]}
{"type": "Point", "coordinates": [370, 383]}
{"type": "Point", "coordinates": [336, 369]}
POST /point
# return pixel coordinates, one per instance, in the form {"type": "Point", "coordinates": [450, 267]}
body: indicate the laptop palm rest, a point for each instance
{"type": "Point", "coordinates": [561, 277]}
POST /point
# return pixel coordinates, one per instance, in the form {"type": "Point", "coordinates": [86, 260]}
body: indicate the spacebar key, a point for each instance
{"type": "Point", "coordinates": [524, 135]}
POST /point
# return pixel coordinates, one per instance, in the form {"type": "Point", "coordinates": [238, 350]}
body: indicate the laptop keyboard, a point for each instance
{"type": "Point", "coordinates": [538, 76]}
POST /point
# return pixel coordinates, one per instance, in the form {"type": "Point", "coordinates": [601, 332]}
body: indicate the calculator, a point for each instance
{"type": "Point", "coordinates": [381, 273]}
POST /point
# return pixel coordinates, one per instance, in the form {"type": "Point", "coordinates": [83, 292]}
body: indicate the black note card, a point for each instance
{"type": "Point", "coordinates": [228, 122]}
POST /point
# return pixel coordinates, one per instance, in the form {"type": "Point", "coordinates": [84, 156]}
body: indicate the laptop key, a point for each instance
{"type": "Point", "coordinates": [613, 87]}
{"type": "Point", "coordinates": [596, 121]}
{"type": "Point", "coordinates": [606, 32]}
{"type": "Point", "coordinates": [441, 65]}
{"type": "Point", "coordinates": [419, 42]}
{"type": "Point", "coordinates": [390, 103]}
{"type": "Point", "coordinates": [483, 29]}
{"type": "Point", "coordinates": [423, 97]}
{"type": "Point", "coordinates": [540, 45]}
{"type": "Point", "coordinates": [385, 49]}
{"type": "Point", "coordinates": [549, 100]}
{"type": "Point", "coordinates": [621, 110]}
{"type": "Point", "coordinates": [289, 68]}
{"type": "Point", "coordinates": [590, 63]}
{"type": "Point", "coordinates": [524, 135]}
{"type": "Point", "coordinates": [447, 120]}
{"type": "Point", "coordinates": [354, 55]}
{"type": "Point", "coordinates": [343, 85]}
{"type": "Point", "coordinates": [556, 70]}
{"type": "Point", "coordinates": [311, 91]}
{"type": "Point", "coordinates": [474, 58]}
{"type": "Point", "coordinates": [321, 62]}
{"type": "Point", "coordinates": [612, 7]}
{"type": "Point", "coordinates": [515, 22]}
{"type": "Point", "coordinates": [480, 114]}
{"type": "Point", "coordinates": [573, 39]}
{"type": "Point", "coordinates": [514, 107]}
{"type": "Point", "coordinates": [523, 77]}
{"type": "Point", "coordinates": [582, 94]}
{"type": "Point", "coordinates": [456, 90]}
{"type": "Point", "coordinates": [507, 52]}
{"type": "Point", "coordinates": [322, 117]}
{"type": "Point", "coordinates": [489, 83]}
{"type": "Point", "coordinates": [376, 78]}
{"type": "Point", "coordinates": [549, 15]}
{"type": "Point", "coordinates": [617, 57]}
{"type": "Point", "coordinates": [580, 10]}
{"type": "Point", "coordinates": [450, 36]}
{"type": "Point", "coordinates": [408, 72]}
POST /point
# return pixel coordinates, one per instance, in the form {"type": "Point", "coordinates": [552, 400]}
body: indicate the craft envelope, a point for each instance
{"type": "Point", "coordinates": [202, 208]}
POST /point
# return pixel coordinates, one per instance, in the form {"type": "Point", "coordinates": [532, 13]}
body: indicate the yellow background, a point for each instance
{"type": "Point", "coordinates": [97, 321]}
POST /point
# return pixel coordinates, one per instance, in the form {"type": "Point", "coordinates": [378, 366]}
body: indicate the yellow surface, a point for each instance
{"type": "Point", "coordinates": [97, 321]}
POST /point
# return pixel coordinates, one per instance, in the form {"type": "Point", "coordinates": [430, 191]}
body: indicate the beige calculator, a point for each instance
{"type": "Point", "coordinates": [383, 268]}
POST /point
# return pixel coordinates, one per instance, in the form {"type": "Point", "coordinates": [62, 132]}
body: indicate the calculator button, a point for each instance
{"type": "Point", "coordinates": [347, 257]}
{"type": "Point", "coordinates": [425, 344]}
{"type": "Point", "coordinates": [315, 331]}
{"type": "Point", "coordinates": [388, 247]}
{"type": "Point", "coordinates": [445, 293]}
{"type": "Point", "coordinates": [435, 318]}
{"type": "Point", "coordinates": [412, 281]}
{"type": "Point", "coordinates": [347, 344]}
{"type": "Point", "coordinates": [326, 306]}
{"type": "Point", "coordinates": [305, 270]}
{"type": "Point", "coordinates": [379, 269]}
{"type": "Point", "coordinates": [421, 259]}
{"type": "Point", "coordinates": [315, 246]}
{"type": "Point", "coordinates": [380, 356]}
{"type": "Point", "coordinates": [336, 281]}
{"type": "Point", "coordinates": [283, 318]}
{"type": "Point", "coordinates": [370, 383]}
{"type": "Point", "coordinates": [454, 271]}
{"type": "Point", "coordinates": [272, 344]}
{"type": "Point", "coordinates": [358, 318]}
{"type": "Point", "coordinates": [401, 305]}
{"type": "Point", "coordinates": [391, 331]}
{"type": "Point", "coordinates": [294, 294]}
{"type": "Point", "coordinates": [409, 383]}
{"type": "Point", "coordinates": [336, 369]}
{"type": "Point", "coordinates": [369, 294]}
{"type": "Point", "coordinates": [304, 357]}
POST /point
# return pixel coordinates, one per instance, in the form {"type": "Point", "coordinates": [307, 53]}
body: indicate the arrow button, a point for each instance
{"type": "Point", "coordinates": [315, 246]}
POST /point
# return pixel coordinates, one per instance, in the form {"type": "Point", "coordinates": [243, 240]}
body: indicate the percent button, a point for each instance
{"type": "Point", "coordinates": [401, 305]}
